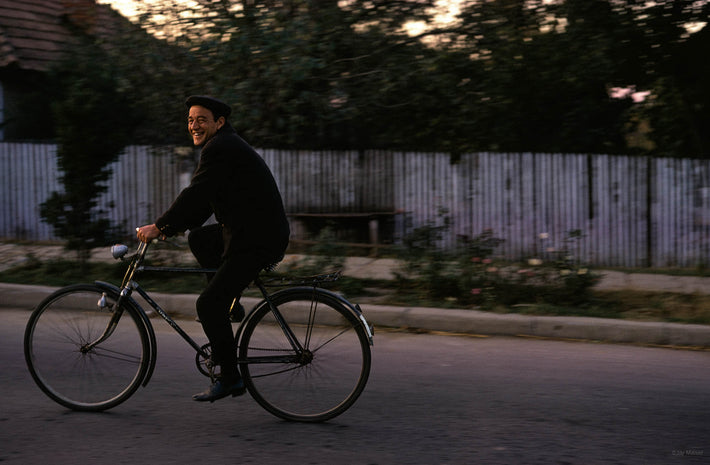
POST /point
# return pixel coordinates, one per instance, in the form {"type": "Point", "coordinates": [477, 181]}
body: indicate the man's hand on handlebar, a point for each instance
{"type": "Point", "coordinates": [149, 232]}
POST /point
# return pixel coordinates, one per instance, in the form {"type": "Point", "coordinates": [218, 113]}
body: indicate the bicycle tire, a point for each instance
{"type": "Point", "coordinates": [331, 375]}
{"type": "Point", "coordinates": [86, 380]}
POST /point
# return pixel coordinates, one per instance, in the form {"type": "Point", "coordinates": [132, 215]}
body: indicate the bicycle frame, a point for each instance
{"type": "Point", "coordinates": [166, 269]}
{"type": "Point", "coordinates": [129, 285]}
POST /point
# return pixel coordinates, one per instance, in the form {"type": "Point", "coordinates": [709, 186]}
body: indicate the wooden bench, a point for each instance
{"type": "Point", "coordinates": [358, 220]}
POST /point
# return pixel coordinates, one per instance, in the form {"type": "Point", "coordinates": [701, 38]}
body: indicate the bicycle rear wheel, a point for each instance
{"type": "Point", "coordinates": [324, 379]}
{"type": "Point", "coordinates": [63, 365]}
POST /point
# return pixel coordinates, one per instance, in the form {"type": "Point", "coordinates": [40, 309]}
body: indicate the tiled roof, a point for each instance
{"type": "Point", "coordinates": [34, 33]}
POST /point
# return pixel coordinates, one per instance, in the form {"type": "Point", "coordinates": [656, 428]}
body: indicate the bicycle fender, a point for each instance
{"type": "Point", "coordinates": [152, 343]}
{"type": "Point", "coordinates": [356, 311]}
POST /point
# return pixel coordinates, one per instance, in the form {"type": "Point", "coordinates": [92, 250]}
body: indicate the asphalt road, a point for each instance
{"type": "Point", "coordinates": [431, 399]}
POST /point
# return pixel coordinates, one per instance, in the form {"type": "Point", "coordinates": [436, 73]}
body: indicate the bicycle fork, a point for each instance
{"type": "Point", "coordinates": [116, 313]}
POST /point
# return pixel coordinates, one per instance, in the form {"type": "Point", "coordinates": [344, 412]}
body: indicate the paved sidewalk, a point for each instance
{"type": "Point", "coordinates": [433, 319]}
{"type": "Point", "coordinates": [470, 322]}
{"type": "Point", "coordinates": [12, 254]}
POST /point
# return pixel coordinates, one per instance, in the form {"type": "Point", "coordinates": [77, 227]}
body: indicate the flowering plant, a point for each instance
{"type": "Point", "coordinates": [471, 276]}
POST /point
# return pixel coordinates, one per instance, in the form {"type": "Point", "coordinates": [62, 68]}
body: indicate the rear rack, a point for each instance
{"type": "Point", "coordinates": [283, 281]}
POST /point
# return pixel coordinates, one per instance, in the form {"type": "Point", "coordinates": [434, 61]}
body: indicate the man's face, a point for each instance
{"type": "Point", "coordinates": [202, 125]}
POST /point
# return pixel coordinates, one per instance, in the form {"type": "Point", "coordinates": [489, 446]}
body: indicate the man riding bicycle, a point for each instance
{"type": "Point", "coordinates": [234, 183]}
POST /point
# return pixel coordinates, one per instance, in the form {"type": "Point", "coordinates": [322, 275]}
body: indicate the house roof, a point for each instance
{"type": "Point", "coordinates": [35, 33]}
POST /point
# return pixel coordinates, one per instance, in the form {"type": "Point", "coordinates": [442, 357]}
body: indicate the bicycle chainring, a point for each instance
{"type": "Point", "coordinates": [205, 365]}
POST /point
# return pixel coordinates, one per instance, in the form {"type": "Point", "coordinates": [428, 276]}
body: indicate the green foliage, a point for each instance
{"type": "Point", "coordinates": [156, 77]}
{"type": "Point", "coordinates": [426, 262]}
{"type": "Point", "coordinates": [470, 275]}
{"type": "Point", "coordinates": [92, 119]}
{"type": "Point", "coordinates": [557, 278]}
{"type": "Point", "coordinates": [508, 76]}
{"type": "Point", "coordinates": [63, 272]}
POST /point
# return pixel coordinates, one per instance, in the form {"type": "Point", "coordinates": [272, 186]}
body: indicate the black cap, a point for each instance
{"type": "Point", "coordinates": [217, 107]}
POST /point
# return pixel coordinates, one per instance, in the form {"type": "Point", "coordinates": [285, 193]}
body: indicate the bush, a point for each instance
{"type": "Point", "coordinates": [89, 109]}
{"type": "Point", "coordinates": [470, 275]}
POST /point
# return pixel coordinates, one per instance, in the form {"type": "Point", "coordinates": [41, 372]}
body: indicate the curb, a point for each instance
{"type": "Point", "coordinates": [472, 322]}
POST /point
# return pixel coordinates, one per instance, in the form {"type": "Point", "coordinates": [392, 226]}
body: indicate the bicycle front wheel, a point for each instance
{"type": "Point", "coordinates": [324, 377]}
{"type": "Point", "coordinates": [65, 363]}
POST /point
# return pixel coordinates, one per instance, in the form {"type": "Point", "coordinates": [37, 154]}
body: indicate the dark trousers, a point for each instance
{"type": "Point", "coordinates": [236, 268]}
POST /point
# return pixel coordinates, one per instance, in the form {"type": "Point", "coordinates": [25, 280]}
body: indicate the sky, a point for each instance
{"type": "Point", "coordinates": [448, 9]}
{"type": "Point", "coordinates": [125, 7]}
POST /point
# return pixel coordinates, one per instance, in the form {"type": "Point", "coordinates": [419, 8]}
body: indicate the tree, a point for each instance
{"type": "Point", "coordinates": [534, 75]}
{"type": "Point", "coordinates": [543, 73]}
{"type": "Point", "coordinates": [305, 73]}
{"type": "Point", "coordinates": [676, 75]}
{"type": "Point", "coordinates": [549, 68]}
{"type": "Point", "coordinates": [93, 124]}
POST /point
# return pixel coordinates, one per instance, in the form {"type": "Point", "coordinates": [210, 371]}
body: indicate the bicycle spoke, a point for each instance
{"type": "Point", "coordinates": [311, 323]}
{"type": "Point", "coordinates": [331, 339]}
{"type": "Point", "coordinates": [115, 355]}
{"type": "Point", "coordinates": [62, 362]}
{"type": "Point", "coordinates": [326, 377]}
{"type": "Point", "coordinates": [274, 373]}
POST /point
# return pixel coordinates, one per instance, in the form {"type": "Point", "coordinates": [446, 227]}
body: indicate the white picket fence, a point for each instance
{"type": "Point", "coordinates": [632, 211]}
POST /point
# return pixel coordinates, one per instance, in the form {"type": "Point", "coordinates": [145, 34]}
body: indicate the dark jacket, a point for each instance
{"type": "Point", "coordinates": [233, 182]}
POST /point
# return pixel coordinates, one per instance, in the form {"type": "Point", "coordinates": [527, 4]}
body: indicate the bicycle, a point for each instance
{"type": "Point", "coordinates": [303, 351]}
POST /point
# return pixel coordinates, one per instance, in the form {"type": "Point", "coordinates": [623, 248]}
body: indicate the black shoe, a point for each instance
{"type": "Point", "coordinates": [236, 313]}
{"type": "Point", "coordinates": [220, 390]}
